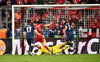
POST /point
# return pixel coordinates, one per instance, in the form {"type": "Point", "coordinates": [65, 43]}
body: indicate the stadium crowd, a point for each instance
{"type": "Point", "coordinates": [27, 2]}
{"type": "Point", "coordinates": [59, 17]}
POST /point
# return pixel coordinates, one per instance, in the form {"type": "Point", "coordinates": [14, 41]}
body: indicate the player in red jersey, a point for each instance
{"type": "Point", "coordinates": [39, 38]}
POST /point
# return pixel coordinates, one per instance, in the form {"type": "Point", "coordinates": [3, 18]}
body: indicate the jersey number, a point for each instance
{"type": "Point", "coordinates": [69, 27]}
{"type": "Point", "coordinates": [29, 29]}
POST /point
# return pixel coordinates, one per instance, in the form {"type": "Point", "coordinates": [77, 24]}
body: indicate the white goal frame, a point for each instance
{"type": "Point", "coordinates": [43, 6]}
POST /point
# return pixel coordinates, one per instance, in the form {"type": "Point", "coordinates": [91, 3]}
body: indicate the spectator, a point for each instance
{"type": "Point", "coordinates": [46, 32]}
{"type": "Point", "coordinates": [76, 1]}
{"type": "Point", "coordinates": [87, 1]}
{"type": "Point", "coordinates": [25, 2]}
{"type": "Point", "coordinates": [3, 11]}
{"type": "Point", "coordinates": [74, 19]}
{"type": "Point", "coordinates": [9, 31]}
{"type": "Point", "coordinates": [3, 26]}
{"type": "Point", "coordinates": [2, 3]}
{"type": "Point", "coordinates": [54, 21]}
{"type": "Point", "coordinates": [88, 20]}
{"type": "Point", "coordinates": [97, 2]}
{"type": "Point", "coordinates": [67, 2]}
{"type": "Point", "coordinates": [9, 17]}
{"type": "Point", "coordinates": [49, 1]}
{"type": "Point", "coordinates": [19, 2]}
{"type": "Point", "coordinates": [32, 1]}
{"type": "Point", "coordinates": [57, 31]}
{"type": "Point", "coordinates": [60, 15]}
{"type": "Point", "coordinates": [93, 22]}
{"type": "Point", "coordinates": [52, 33]}
{"type": "Point", "coordinates": [60, 1]}
{"type": "Point", "coordinates": [16, 33]}
{"type": "Point", "coordinates": [72, 12]}
{"type": "Point", "coordinates": [17, 19]}
{"type": "Point", "coordinates": [9, 3]}
{"type": "Point", "coordinates": [46, 17]}
{"type": "Point", "coordinates": [80, 22]}
{"type": "Point", "coordinates": [3, 33]}
{"type": "Point", "coordinates": [39, 1]}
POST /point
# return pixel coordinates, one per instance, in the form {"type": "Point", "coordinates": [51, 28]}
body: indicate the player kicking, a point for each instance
{"type": "Point", "coordinates": [39, 38]}
{"type": "Point", "coordinates": [55, 49]}
{"type": "Point", "coordinates": [28, 35]}
{"type": "Point", "coordinates": [69, 31]}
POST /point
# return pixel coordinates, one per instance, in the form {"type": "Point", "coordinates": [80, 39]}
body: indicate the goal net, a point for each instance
{"type": "Point", "coordinates": [86, 18]}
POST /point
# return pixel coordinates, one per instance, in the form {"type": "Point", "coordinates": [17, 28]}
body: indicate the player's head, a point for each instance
{"type": "Point", "coordinates": [72, 24]}
{"type": "Point", "coordinates": [46, 28]}
{"type": "Point", "coordinates": [64, 21]}
{"type": "Point", "coordinates": [29, 21]}
{"type": "Point", "coordinates": [73, 16]}
{"type": "Point", "coordinates": [57, 24]}
{"type": "Point", "coordinates": [38, 21]}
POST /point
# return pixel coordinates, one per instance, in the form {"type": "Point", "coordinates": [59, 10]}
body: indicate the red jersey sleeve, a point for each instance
{"type": "Point", "coordinates": [41, 25]}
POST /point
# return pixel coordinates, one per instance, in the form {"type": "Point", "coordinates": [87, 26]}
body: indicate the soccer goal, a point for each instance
{"type": "Point", "coordinates": [86, 18]}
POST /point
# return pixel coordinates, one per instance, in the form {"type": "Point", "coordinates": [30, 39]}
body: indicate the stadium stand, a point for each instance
{"type": "Point", "coordinates": [26, 2]}
{"type": "Point", "coordinates": [57, 15]}
{"type": "Point", "coordinates": [3, 33]}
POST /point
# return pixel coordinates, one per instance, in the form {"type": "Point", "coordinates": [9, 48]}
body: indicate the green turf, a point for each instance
{"type": "Point", "coordinates": [53, 58]}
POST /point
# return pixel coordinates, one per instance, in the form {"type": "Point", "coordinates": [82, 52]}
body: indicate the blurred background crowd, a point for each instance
{"type": "Point", "coordinates": [26, 2]}
{"type": "Point", "coordinates": [89, 18]}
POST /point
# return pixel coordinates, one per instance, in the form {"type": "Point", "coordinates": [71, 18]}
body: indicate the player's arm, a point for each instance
{"type": "Point", "coordinates": [48, 24]}
{"type": "Point", "coordinates": [24, 34]}
{"type": "Point", "coordinates": [34, 24]}
{"type": "Point", "coordinates": [65, 29]}
{"type": "Point", "coordinates": [36, 32]}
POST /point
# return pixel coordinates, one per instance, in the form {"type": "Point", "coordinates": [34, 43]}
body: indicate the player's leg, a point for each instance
{"type": "Point", "coordinates": [40, 38]}
{"type": "Point", "coordinates": [43, 42]}
{"type": "Point", "coordinates": [45, 45]}
{"type": "Point", "coordinates": [35, 40]}
{"type": "Point", "coordinates": [73, 44]}
{"type": "Point", "coordinates": [31, 44]}
{"type": "Point", "coordinates": [72, 40]}
{"type": "Point", "coordinates": [28, 41]}
{"type": "Point", "coordinates": [40, 50]}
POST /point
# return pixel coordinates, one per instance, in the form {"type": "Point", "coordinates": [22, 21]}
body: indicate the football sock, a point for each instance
{"type": "Point", "coordinates": [66, 47]}
{"type": "Point", "coordinates": [64, 43]}
{"type": "Point", "coordinates": [47, 48]}
{"type": "Point", "coordinates": [74, 45]}
{"type": "Point", "coordinates": [31, 48]}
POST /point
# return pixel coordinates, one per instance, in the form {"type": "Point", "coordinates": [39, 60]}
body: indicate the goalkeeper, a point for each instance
{"type": "Point", "coordinates": [55, 49]}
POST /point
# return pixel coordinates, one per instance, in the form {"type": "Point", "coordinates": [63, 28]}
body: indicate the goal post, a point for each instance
{"type": "Point", "coordinates": [81, 13]}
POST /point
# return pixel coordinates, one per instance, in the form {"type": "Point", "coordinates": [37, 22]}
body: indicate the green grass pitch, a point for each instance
{"type": "Point", "coordinates": [49, 58]}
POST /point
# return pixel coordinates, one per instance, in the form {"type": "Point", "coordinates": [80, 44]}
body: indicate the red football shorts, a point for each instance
{"type": "Point", "coordinates": [39, 38]}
